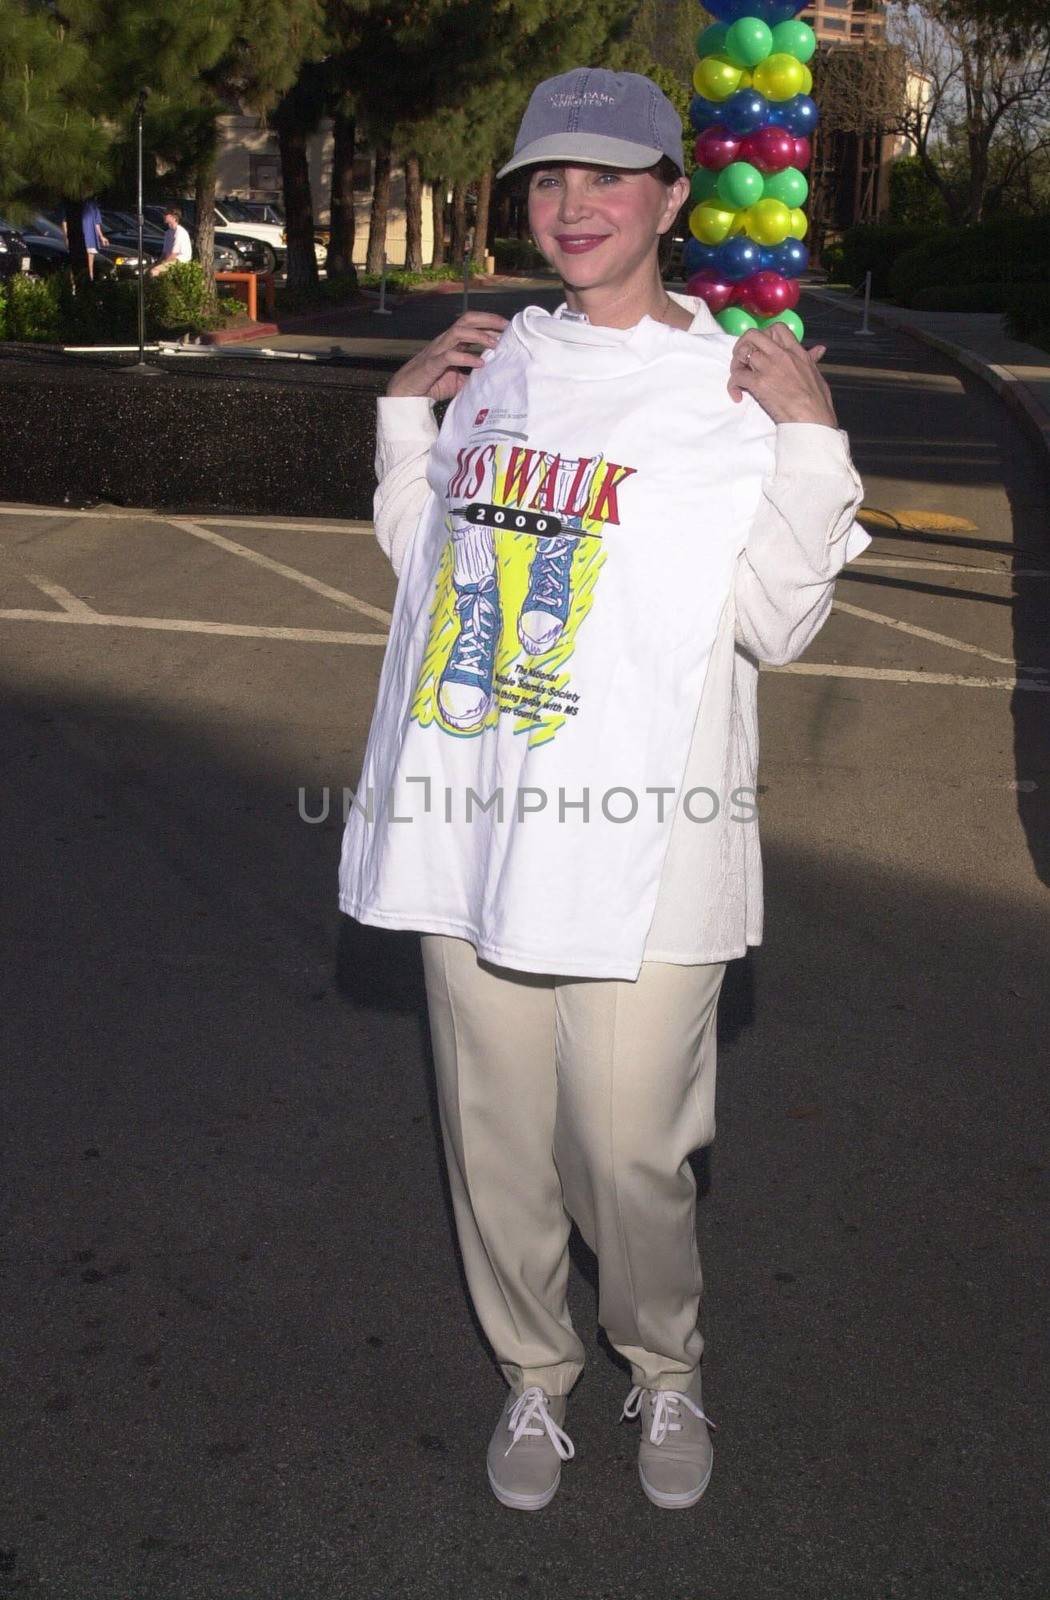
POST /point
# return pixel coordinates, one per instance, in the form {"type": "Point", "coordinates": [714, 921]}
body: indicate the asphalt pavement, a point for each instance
{"type": "Point", "coordinates": [238, 1361]}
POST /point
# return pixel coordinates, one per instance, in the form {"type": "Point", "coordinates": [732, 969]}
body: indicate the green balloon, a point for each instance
{"type": "Point", "coordinates": [702, 185]}
{"type": "Point", "coordinates": [735, 320]}
{"type": "Point", "coordinates": [794, 39]}
{"type": "Point", "coordinates": [740, 185]}
{"type": "Point", "coordinates": [789, 186]}
{"type": "Point", "coordinates": [712, 41]}
{"type": "Point", "coordinates": [748, 41]}
{"type": "Point", "coordinates": [790, 319]}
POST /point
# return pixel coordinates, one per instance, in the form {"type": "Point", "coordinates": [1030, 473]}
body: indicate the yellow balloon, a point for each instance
{"type": "Point", "coordinates": [799, 223]}
{"type": "Point", "coordinates": [769, 221]}
{"type": "Point", "coordinates": [716, 78]}
{"type": "Point", "coordinates": [807, 80]}
{"type": "Point", "coordinates": [711, 222]}
{"type": "Point", "coordinates": [778, 77]}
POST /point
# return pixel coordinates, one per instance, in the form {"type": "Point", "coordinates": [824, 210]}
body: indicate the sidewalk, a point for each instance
{"type": "Point", "coordinates": [361, 332]}
{"type": "Point", "coordinates": [1019, 373]}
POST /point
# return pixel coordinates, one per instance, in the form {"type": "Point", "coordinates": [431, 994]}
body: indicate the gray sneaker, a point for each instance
{"type": "Point", "coordinates": [675, 1455]}
{"type": "Point", "coordinates": [527, 1450]}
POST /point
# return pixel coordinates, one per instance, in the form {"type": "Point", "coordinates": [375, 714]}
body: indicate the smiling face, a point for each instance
{"type": "Point", "coordinates": [600, 226]}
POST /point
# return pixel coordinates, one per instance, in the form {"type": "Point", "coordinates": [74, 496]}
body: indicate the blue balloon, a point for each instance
{"type": "Point", "coordinates": [702, 113]}
{"type": "Point", "coordinates": [738, 258]}
{"type": "Point", "coordinates": [791, 258]}
{"type": "Point", "coordinates": [767, 258]}
{"type": "Point", "coordinates": [769, 11]}
{"type": "Point", "coordinates": [697, 255]}
{"type": "Point", "coordinates": [798, 116]}
{"type": "Point", "coordinates": [745, 111]}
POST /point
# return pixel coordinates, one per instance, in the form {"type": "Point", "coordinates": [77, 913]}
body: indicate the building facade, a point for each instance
{"type": "Point", "coordinates": [850, 172]}
{"type": "Point", "coordinates": [249, 168]}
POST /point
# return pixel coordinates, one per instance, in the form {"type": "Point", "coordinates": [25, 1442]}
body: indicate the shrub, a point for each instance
{"type": "Point", "coordinates": [32, 312]}
{"type": "Point", "coordinates": [874, 247]}
{"type": "Point", "coordinates": [1010, 250]}
{"type": "Point", "coordinates": [962, 297]}
{"type": "Point", "coordinates": [3, 312]}
{"type": "Point", "coordinates": [516, 255]}
{"type": "Point", "coordinates": [1028, 314]}
{"type": "Point", "coordinates": [397, 278]}
{"type": "Point", "coordinates": [176, 301]}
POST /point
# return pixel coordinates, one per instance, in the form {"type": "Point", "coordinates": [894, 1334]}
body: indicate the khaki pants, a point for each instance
{"type": "Point", "coordinates": [576, 1098]}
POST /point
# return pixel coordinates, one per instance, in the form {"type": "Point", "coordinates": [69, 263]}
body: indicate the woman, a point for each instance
{"type": "Point", "coordinates": [623, 512]}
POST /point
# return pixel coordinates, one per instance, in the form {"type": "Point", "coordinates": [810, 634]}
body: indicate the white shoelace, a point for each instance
{"type": "Point", "coordinates": [529, 1410]}
{"type": "Point", "coordinates": [667, 1418]}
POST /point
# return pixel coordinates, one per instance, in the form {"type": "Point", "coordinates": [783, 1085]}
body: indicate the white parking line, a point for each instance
{"type": "Point", "coordinates": [828, 669]}
{"type": "Point", "coordinates": [339, 596]}
{"type": "Point", "coordinates": [934, 638]}
{"type": "Point", "coordinates": [235, 630]}
{"type": "Point", "coordinates": [946, 566]}
{"type": "Point", "coordinates": [122, 514]}
{"type": "Point", "coordinates": [70, 603]}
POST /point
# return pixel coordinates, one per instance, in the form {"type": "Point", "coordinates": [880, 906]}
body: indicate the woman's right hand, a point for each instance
{"type": "Point", "coordinates": [437, 371]}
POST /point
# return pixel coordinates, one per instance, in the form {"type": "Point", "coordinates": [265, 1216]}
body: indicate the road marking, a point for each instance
{"type": "Point", "coordinates": [824, 669]}
{"type": "Point", "coordinates": [928, 633]}
{"type": "Point", "coordinates": [934, 521]}
{"type": "Point", "coordinates": [354, 527]}
{"type": "Point", "coordinates": [122, 514]}
{"type": "Point", "coordinates": [240, 630]}
{"type": "Point", "coordinates": [339, 596]}
{"type": "Point", "coordinates": [235, 630]}
{"type": "Point", "coordinates": [945, 566]}
{"type": "Point", "coordinates": [70, 603]}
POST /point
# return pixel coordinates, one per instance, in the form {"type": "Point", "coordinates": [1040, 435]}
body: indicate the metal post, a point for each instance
{"type": "Point", "coordinates": [382, 309]}
{"type": "Point", "coordinates": [141, 366]}
{"type": "Point", "coordinates": [466, 279]}
{"type": "Point", "coordinates": [864, 329]}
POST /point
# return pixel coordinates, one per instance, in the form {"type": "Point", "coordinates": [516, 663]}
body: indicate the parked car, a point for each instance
{"type": "Point", "coordinates": [252, 210]}
{"type": "Point", "coordinates": [48, 252]}
{"type": "Point", "coordinates": [14, 251]}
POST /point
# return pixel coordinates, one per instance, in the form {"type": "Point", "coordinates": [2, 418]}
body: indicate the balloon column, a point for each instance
{"type": "Point", "coordinates": [753, 117]}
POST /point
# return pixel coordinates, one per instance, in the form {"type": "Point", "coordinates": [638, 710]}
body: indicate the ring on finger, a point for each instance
{"type": "Point", "coordinates": [748, 358]}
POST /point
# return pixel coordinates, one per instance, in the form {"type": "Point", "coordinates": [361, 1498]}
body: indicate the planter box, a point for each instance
{"type": "Point", "coordinates": [207, 434]}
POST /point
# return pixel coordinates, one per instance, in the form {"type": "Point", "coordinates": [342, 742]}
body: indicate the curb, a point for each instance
{"type": "Point", "coordinates": [253, 330]}
{"type": "Point", "coordinates": [1013, 391]}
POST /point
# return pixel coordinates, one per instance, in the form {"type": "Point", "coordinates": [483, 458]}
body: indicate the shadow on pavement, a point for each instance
{"type": "Point", "coordinates": [242, 1361]}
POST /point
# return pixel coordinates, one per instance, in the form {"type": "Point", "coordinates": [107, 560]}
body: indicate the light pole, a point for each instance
{"type": "Point", "coordinates": [141, 365]}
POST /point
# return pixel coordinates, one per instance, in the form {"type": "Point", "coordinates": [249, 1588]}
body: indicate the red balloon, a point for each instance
{"type": "Point", "coordinates": [770, 149]}
{"type": "Point", "coordinates": [709, 286]}
{"type": "Point", "coordinates": [716, 148]}
{"type": "Point", "coordinates": [766, 293]}
{"type": "Point", "coordinates": [803, 153]}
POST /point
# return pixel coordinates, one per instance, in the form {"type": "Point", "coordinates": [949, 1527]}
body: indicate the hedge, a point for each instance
{"type": "Point", "coordinates": [516, 255]}
{"type": "Point", "coordinates": [47, 310]}
{"type": "Point", "coordinates": [872, 247]}
{"type": "Point", "coordinates": [962, 297]}
{"type": "Point", "coordinates": [1028, 314]}
{"type": "Point", "coordinates": [907, 260]}
{"type": "Point", "coordinates": [1013, 250]}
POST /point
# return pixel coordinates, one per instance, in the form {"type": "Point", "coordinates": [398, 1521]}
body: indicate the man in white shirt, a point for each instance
{"type": "Point", "coordinates": [177, 245]}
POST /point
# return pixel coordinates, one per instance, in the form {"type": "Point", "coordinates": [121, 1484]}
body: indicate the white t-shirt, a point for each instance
{"type": "Point", "coordinates": [177, 243]}
{"type": "Point", "coordinates": [591, 492]}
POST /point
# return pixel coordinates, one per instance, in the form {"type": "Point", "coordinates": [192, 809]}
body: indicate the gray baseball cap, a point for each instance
{"type": "Point", "coordinates": [600, 118]}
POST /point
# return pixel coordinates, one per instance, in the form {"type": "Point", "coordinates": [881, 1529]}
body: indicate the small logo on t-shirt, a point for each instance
{"type": "Point", "coordinates": [482, 414]}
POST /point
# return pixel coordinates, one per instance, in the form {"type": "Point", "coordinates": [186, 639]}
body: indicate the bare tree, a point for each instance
{"type": "Point", "coordinates": [979, 87]}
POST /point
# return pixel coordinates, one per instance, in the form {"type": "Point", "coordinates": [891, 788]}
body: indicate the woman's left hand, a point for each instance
{"type": "Point", "coordinates": [770, 364]}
